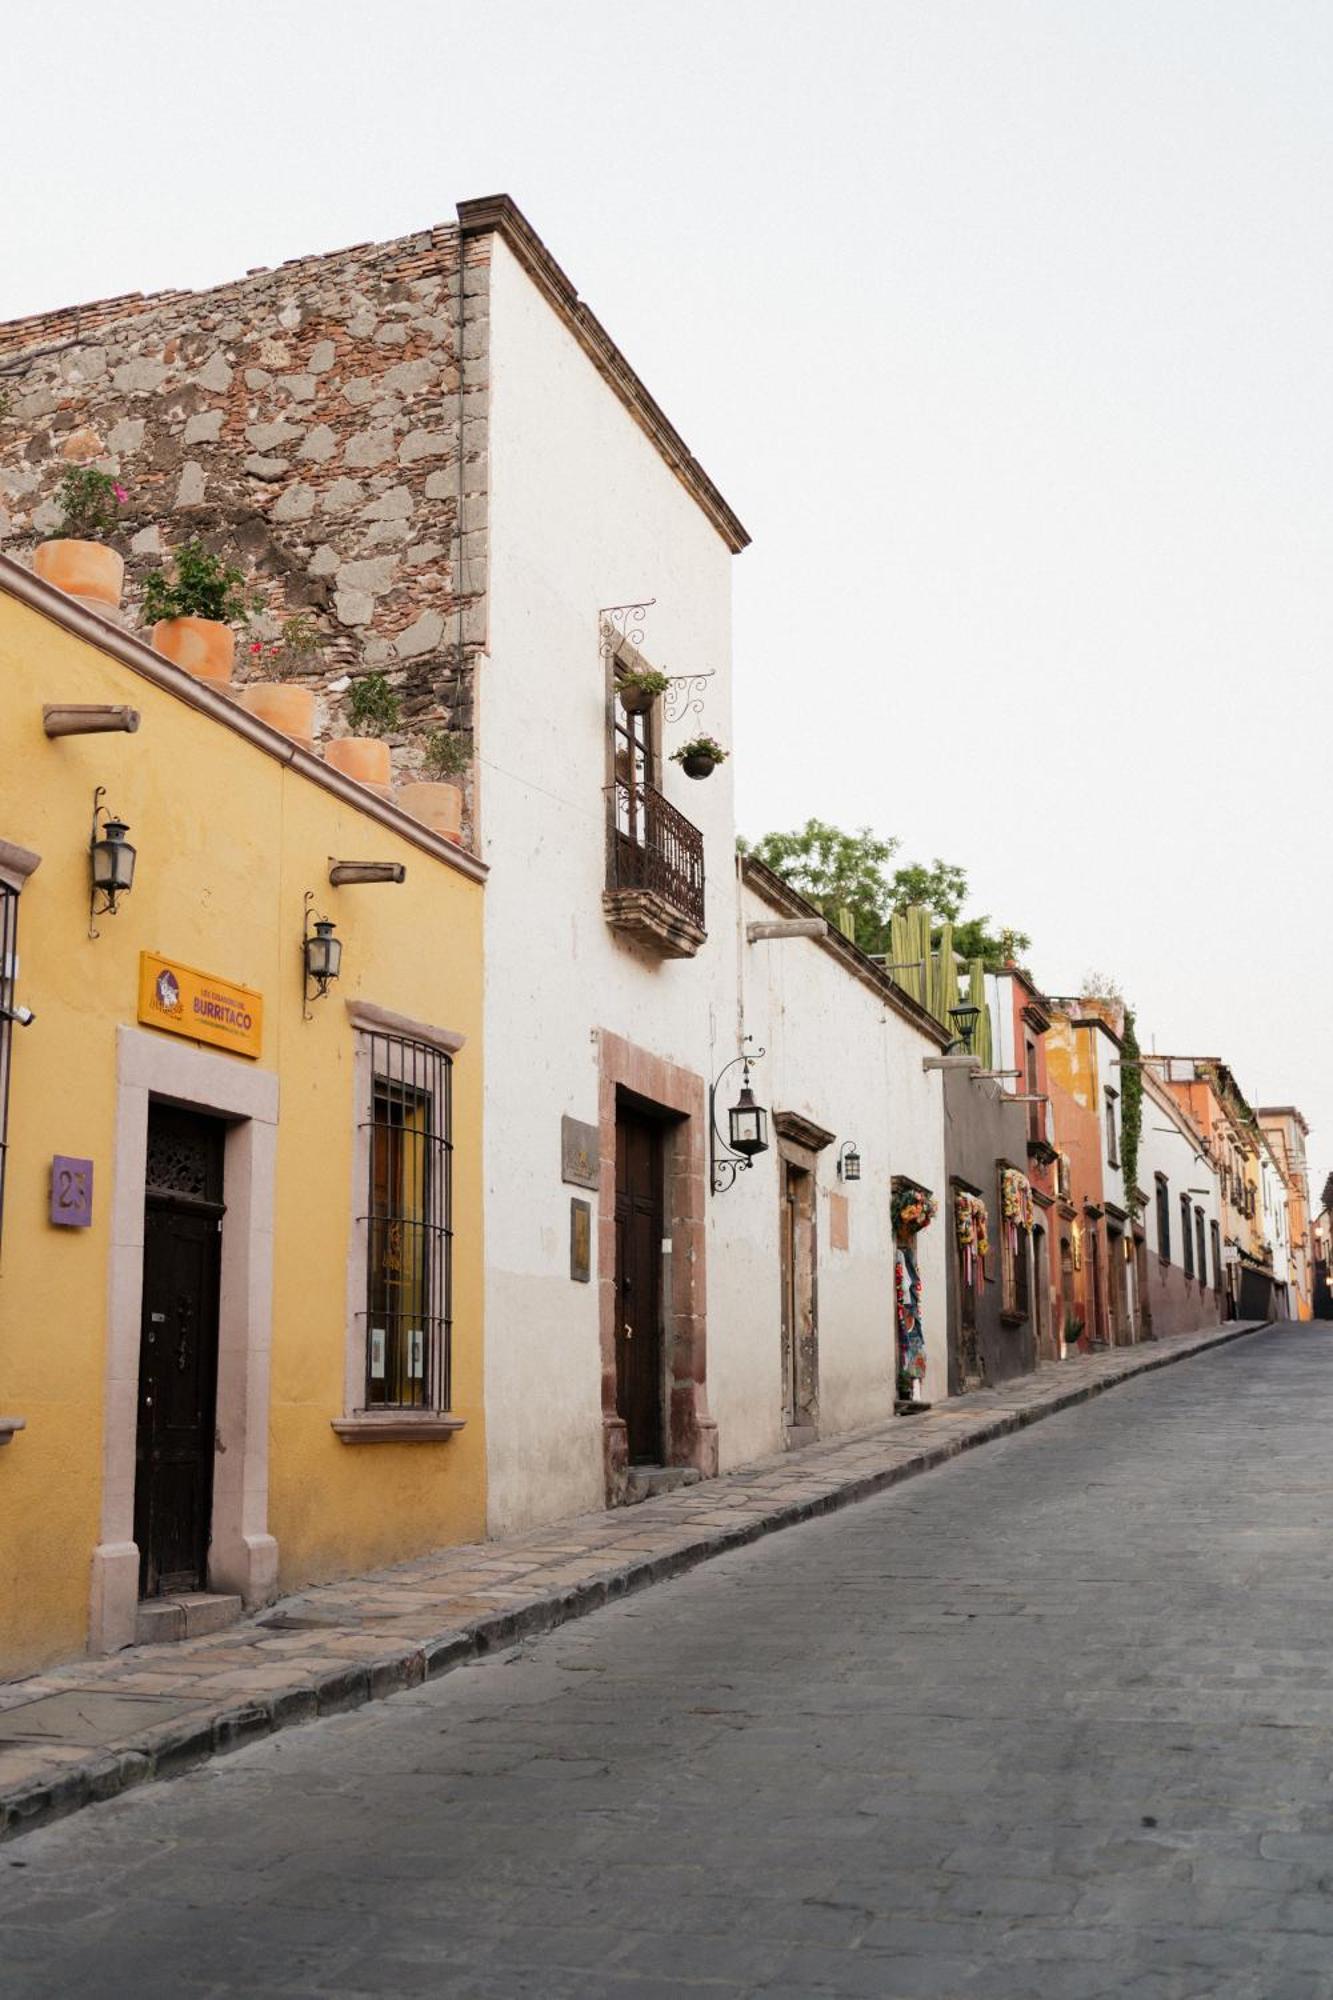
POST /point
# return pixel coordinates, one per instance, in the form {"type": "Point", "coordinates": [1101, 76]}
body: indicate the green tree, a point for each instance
{"type": "Point", "coordinates": [835, 871]}
{"type": "Point", "coordinates": [838, 871]}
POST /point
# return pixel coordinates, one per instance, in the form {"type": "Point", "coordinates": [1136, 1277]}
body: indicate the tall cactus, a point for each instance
{"type": "Point", "coordinates": [903, 951]}
{"type": "Point", "coordinates": [976, 993]}
{"type": "Point", "coordinates": [945, 969]}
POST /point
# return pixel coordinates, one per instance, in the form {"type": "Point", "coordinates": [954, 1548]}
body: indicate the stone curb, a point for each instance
{"type": "Point", "coordinates": [183, 1744]}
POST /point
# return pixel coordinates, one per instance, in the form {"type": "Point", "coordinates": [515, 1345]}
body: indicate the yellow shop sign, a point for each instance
{"type": "Point", "coordinates": [187, 1002]}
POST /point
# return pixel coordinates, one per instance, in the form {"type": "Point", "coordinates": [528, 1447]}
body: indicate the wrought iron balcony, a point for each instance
{"type": "Point", "coordinates": [654, 870]}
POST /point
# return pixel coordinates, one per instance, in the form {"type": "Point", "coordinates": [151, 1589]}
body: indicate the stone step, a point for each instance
{"type": "Point", "coordinates": [188, 1616]}
{"type": "Point", "coordinates": [646, 1482]}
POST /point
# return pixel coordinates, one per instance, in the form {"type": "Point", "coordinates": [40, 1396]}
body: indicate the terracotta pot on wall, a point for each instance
{"type": "Point", "coordinates": [203, 646]}
{"type": "Point", "coordinates": [83, 569]}
{"type": "Point", "coordinates": [435, 804]}
{"type": "Point", "coordinates": [365, 758]}
{"type": "Point", "coordinates": [290, 709]}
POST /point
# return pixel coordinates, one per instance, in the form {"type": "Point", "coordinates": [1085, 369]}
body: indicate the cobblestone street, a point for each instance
{"type": "Point", "coordinates": [1055, 1719]}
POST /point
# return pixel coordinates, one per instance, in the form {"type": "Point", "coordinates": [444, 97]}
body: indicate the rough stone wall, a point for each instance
{"type": "Point", "coordinates": [323, 425]}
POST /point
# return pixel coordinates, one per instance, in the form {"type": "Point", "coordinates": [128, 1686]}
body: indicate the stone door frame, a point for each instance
{"type": "Point", "coordinates": [680, 1097]}
{"type": "Point", "coordinates": [243, 1556]}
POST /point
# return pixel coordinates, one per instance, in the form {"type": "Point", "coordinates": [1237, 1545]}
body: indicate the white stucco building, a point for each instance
{"type": "Point", "coordinates": [1180, 1259]}
{"type": "Point", "coordinates": [638, 1316]}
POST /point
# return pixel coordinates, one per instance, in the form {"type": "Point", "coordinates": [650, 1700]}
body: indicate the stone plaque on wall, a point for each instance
{"type": "Point", "coordinates": [580, 1240]}
{"type": "Point", "coordinates": [579, 1156]}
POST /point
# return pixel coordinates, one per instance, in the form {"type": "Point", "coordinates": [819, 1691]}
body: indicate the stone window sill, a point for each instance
{"type": "Point", "coordinates": [1011, 1318]}
{"type": "Point", "coordinates": [9, 1425]}
{"type": "Point", "coordinates": [398, 1427]}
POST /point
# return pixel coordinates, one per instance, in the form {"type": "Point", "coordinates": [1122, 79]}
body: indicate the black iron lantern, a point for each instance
{"type": "Point", "coordinates": [964, 1017]}
{"type": "Point", "coordinates": [747, 1126]}
{"type": "Point", "coordinates": [112, 863]}
{"type": "Point", "coordinates": [748, 1123]}
{"type": "Point", "coordinates": [322, 953]}
{"type": "Point", "coordinates": [849, 1162]}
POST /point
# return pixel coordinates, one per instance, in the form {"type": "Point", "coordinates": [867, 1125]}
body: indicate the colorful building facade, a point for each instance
{"type": "Point", "coordinates": [241, 1290]}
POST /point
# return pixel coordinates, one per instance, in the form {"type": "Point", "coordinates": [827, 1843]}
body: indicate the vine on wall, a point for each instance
{"type": "Point", "coordinates": [1131, 1106]}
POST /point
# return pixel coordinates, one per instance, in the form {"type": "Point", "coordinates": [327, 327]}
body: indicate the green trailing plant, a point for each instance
{"type": "Point", "coordinates": [90, 502]}
{"type": "Point", "coordinates": [445, 755]}
{"type": "Point", "coordinates": [700, 746]}
{"type": "Point", "coordinates": [1131, 1106]}
{"type": "Point", "coordinates": [646, 680]}
{"type": "Point", "coordinates": [905, 1384]}
{"type": "Point", "coordinates": [373, 709]}
{"type": "Point", "coordinates": [1073, 1329]}
{"type": "Point", "coordinates": [204, 586]}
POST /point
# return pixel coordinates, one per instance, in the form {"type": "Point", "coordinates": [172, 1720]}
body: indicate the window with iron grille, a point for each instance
{"type": "Point", "coordinates": [1201, 1245]}
{"type": "Point", "coordinates": [409, 1226]}
{"type": "Point", "coordinates": [1163, 1220]}
{"type": "Point", "coordinates": [9, 926]}
{"type": "Point", "coordinates": [1186, 1239]}
{"type": "Point", "coordinates": [1217, 1255]}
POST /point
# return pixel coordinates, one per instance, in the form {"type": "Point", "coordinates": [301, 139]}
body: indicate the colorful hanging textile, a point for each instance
{"type": "Point", "coordinates": [972, 1224]}
{"type": "Point", "coordinates": [911, 1334]}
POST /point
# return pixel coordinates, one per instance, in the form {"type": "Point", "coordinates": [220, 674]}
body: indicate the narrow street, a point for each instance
{"type": "Point", "coordinates": [1054, 1720]}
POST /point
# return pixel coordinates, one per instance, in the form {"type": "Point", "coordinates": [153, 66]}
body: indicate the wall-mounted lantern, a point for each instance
{"type": "Point", "coordinates": [747, 1125]}
{"type": "Point", "coordinates": [849, 1162]}
{"type": "Point", "coordinates": [964, 1017]}
{"type": "Point", "coordinates": [321, 953]}
{"type": "Point", "coordinates": [111, 862]}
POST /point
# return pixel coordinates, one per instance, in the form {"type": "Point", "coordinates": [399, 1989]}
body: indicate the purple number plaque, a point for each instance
{"type": "Point", "coordinates": [71, 1192]}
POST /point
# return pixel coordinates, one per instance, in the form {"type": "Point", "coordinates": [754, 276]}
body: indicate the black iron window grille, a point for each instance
{"type": "Point", "coordinates": [1186, 1239]}
{"type": "Point", "coordinates": [409, 1226]}
{"type": "Point", "coordinates": [9, 936]}
{"type": "Point", "coordinates": [652, 846]}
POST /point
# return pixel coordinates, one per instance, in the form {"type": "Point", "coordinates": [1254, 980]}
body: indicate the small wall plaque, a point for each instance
{"type": "Point", "coordinates": [71, 1192]}
{"type": "Point", "coordinates": [580, 1159]}
{"type": "Point", "coordinates": [580, 1240]}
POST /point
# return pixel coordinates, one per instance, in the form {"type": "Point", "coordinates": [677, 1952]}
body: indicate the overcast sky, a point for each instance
{"type": "Point", "coordinates": [1005, 325]}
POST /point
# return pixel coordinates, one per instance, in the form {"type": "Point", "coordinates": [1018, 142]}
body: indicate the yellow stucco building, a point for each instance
{"type": "Point", "coordinates": [241, 1286]}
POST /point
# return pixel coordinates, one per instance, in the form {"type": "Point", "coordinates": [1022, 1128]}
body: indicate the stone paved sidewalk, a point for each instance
{"type": "Point", "coordinates": [154, 1711]}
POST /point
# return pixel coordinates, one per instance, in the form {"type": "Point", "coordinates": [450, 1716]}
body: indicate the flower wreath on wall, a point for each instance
{"type": "Point", "coordinates": [913, 1209]}
{"type": "Point", "coordinates": [1016, 1203]}
{"type": "Point", "coordinates": [972, 1226]}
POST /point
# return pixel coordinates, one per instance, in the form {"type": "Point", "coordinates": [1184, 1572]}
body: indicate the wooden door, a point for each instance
{"type": "Point", "coordinates": [639, 1227]}
{"type": "Point", "coordinates": [178, 1352]}
{"type": "Point", "coordinates": [1097, 1297]}
{"type": "Point", "coordinates": [800, 1338]}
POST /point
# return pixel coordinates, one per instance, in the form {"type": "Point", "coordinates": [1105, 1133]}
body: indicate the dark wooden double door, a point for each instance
{"type": "Point", "coordinates": [178, 1351]}
{"type": "Point", "coordinates": [639, 1226]}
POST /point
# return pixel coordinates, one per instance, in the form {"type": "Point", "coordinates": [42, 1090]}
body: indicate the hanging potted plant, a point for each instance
{"type": "Point", "coordinates": [374, 712]}
{"type": "Point", "coordinates": [639, 687]}
{"type": "Point", "coordinates": [277, 702]}
{"type": "Point", "coordinates": [434, 799]}
{"type": "Point", "coordinates": [192, 614]}
{"type": "Point", "coordinates": [76, 558]}
{"type": "Point", "coordinates": [699, 757]}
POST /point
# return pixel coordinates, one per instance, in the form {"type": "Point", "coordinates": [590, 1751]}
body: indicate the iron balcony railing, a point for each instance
{"type": "Point", "coordinates": [652, 846]}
